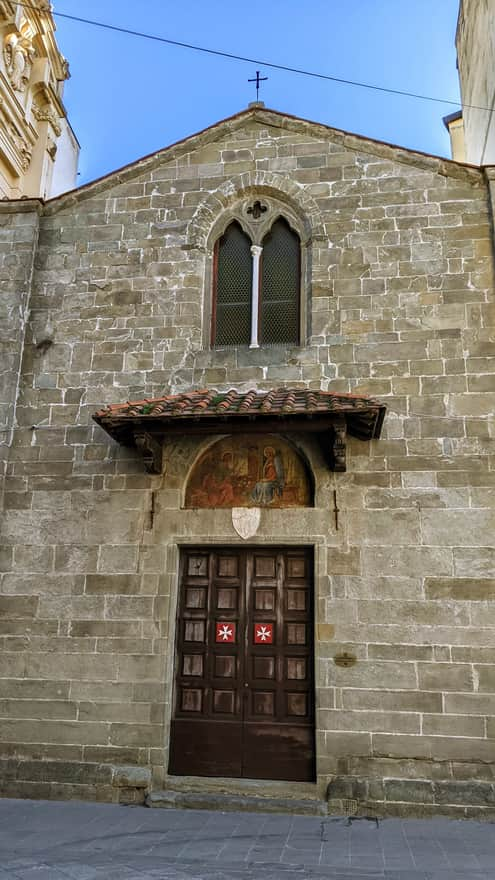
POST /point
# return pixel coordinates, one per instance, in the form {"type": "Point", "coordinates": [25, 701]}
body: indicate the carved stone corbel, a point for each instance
{"type": "Point", "coordinates": [46, 113]}
{"type": "Point", "coordinates": [338, 450]}
{"type": "Point", "coordinates": [18, 56]}
{"type": "Point", "coordinates": [151, 450]}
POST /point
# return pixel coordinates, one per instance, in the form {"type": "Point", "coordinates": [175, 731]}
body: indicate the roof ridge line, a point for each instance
{"type": "Point", "coordinates": [261, 114]}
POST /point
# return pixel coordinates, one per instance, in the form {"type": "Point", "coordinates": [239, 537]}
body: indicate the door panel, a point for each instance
{"type": "Point", "coordinates": [244, 666]}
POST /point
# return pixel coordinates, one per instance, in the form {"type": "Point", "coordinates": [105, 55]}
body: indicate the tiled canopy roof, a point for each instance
{"type": "Point", "coordinates": [364, 415]}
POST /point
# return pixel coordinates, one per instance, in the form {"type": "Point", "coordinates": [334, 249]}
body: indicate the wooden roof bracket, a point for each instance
{"type": "Point", "coordinates": [338, 448]}
{"type": "Point", "coordinates": [151, 450]}
{"type": "Point", "coordinates": [333, 443]}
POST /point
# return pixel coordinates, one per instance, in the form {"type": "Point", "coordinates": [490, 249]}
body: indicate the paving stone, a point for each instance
{"type": "Point", "coordinates": [90, 842]}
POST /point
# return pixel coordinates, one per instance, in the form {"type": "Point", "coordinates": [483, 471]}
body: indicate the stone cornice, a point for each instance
{"type": "Point", "coordinates": [21, 206]}
{"type": "Point", "coordinates": [446, 167]}
{"type": "Point", "coordinates": [47, 106]}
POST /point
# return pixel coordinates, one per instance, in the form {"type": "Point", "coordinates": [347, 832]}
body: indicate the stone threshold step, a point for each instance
{"type": "Point", "coordinates": [202, 800]}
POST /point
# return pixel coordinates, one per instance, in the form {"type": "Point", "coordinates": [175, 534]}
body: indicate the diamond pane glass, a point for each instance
{"type": "Point", "coordinates": [280, 285]}
{"type": "Point", "coordinates": [233, 288]}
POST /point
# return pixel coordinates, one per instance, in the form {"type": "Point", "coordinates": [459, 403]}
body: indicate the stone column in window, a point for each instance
{"type": "Point", "coordinates": [256, 251]}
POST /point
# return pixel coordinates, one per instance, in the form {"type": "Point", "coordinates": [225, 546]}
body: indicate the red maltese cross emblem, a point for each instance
{"type": "Point", "coordinates": [225, 632]}
{"type": "Point", "coordinates": [263, 634]}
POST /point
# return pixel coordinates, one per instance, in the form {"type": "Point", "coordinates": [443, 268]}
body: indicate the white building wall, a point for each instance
{"type": "Point", "coordinates": [64, 175]}
{"type": "Point", "coordinates": [475, 43]}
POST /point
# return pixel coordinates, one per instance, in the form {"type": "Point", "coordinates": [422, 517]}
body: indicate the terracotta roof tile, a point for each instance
{"type": "Point", "coordinates": [204, 403]}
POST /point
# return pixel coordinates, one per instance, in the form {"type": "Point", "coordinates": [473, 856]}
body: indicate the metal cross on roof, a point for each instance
{"type": "Point", "coordinates": [258, 79]}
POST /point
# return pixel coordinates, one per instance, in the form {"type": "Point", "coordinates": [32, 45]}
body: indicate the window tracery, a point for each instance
{"type": "Point", "coordinates": [256, 278]}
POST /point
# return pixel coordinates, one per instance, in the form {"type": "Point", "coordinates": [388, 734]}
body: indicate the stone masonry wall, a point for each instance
{"type": "Point", "coordinates": [401, 307]}
{"type": "Point", "coordinates": [18, 241]}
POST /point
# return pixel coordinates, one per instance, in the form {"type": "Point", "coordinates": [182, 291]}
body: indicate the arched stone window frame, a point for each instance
{"type": "Point", "coordinates": [256, 230]}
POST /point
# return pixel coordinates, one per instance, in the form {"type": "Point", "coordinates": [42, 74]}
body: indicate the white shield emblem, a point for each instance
{"type": "Point", "coordinates": [246, 521]}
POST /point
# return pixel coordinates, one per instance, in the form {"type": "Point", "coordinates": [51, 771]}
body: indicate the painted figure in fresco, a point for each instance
{"type": "Point", "coordinates": [215, 489]}
{"type": "Point", "coordinates": [273, 480]}
{"type": "Point", "coordinates": [250, 472]}
{"type": "Point", "coordinates": [218, 492]}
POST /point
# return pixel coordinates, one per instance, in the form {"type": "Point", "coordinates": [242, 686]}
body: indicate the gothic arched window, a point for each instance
{"type": "Point", "coordinates": [231, 318]}
{"type": "Point", "coordinates": [280, 285]}
{"type": "Point", "coordinates": [256, 287]}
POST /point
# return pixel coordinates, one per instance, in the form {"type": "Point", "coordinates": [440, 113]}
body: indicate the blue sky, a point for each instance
{"type": "Point", "coordinates": [128, 97]}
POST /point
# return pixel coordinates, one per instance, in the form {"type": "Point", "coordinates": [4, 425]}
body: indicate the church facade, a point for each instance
{"type": "Point", "coordinates": [247, 405]}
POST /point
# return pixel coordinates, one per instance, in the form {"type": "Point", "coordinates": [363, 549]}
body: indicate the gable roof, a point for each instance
{"type": "Point", "coordinates": [276, 119]}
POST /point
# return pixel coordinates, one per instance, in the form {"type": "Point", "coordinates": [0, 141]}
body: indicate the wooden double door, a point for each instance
{"type": "Point", "coordinates": [244, 689]}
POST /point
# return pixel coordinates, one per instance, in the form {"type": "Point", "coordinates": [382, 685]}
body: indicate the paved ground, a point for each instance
{"type": "Point", "coordinates": [43, 840]}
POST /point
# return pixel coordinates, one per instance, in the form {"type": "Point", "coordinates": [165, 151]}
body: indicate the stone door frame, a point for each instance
{"type": "Point", "coordinates": [174, 546]}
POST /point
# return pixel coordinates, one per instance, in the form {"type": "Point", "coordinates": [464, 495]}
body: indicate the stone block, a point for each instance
{"type": "Point", "coordinates": [383, 588]}
{"type": "Point", "coordinates": [75, 558]}
{"type": "Point", "coordinates": [384, 527]}
{"type": "Point", "coordinates": [486, 679]}
{"type": "Point", "coordinates": [100, 691]}
{"type": "Point", "coordinates": [416, 791]}
{"type": "Point", "coordinates": [453, 725]}
{"type": "Point", "coordinates": [140, 668]}
{"type": "Point", "coordinates": [444, 427]}
{"type": "Point", "coordinates": [109, 712]}
{"type": "Point", "coordinates": [474, 562]}
{"type": "Point", "coordinates": [387, 722]}
{"type": "Point", "coordinates": [143, 735]}
{"type": "Point", "coordinates": [118, 558]}
{"type": "Point", "coordinates": [471, 404]}
{"type": "Point", "coordinates": [151, 559]}
{"type": "Point", "coordinates": [128, 629]}
{"type": "Point", "coordinates": [422, 561]}
{"type": "Point", "coordinates": [18, 606]}
{"type": "Point", "coordinates": [473, 653]}
{"type": "Point", "coordinates": [127, 608]}
{"type": "Point", "coordinates": [63, 732]}
{"type": "Point", "coordinates": [374, 674]}
{"type": "Point", "coordinates": [128, 776]}
{"type": "Point", "coordinates": [344, 562]}
{"type": "Point", "coordinates": [445, 677]}
{"type": "Point", "coordinates": [325, 632]}
{"type": "Point", "coordinates": [396, 612]}
{"type": "Point", "coordinates": [50, 709]}
{"type": "Point", "coordinates": [458, 528]}
{"type": "Point", "coordinates": [391, 701]}
{"type": "Point", "coordinates": [84, 667]}
{"type": "Point", "coordinates": [108, 584]}
{"type": "Point", "coordinates": [33, 558]}
{"type": "Point", "coordinates": [341, 744]}
{"type": "Point", "coordinates": [71, 607]}
{"type": "Point", "coordinates": [460, 589]}
{"type": "Point", "coordinates": [43, 585]}
{"type": "Point", "coordinates": [400, 652]}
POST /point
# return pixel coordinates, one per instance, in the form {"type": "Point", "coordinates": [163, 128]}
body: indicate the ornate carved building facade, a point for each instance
{"type": "Point", "coordinates": [38, 149]}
